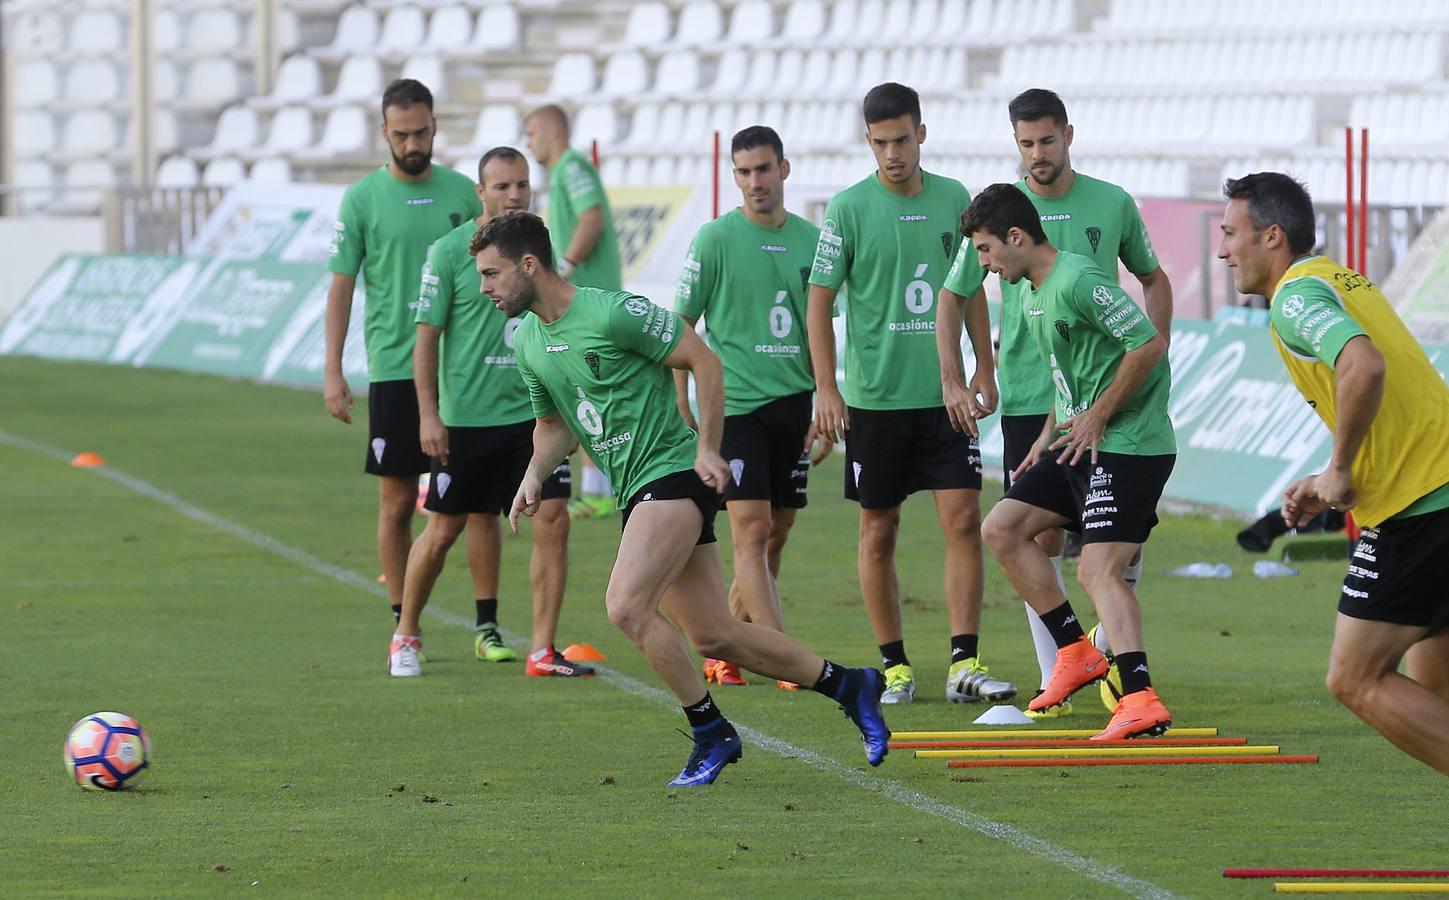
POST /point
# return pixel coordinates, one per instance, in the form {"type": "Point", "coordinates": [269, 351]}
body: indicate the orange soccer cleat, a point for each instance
{"type": "Point", "coordinates": [1137, 715]}
{"type": "Point", "coordinates": [1078, 665]}
{"type": "Point", "coordinates": [723, 672]}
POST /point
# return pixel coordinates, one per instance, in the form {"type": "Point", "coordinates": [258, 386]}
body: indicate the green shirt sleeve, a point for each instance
{"type": "Point", "coordinates": [538, 397]}
{"type": "Point", "coordinates": [637, 325]}
{"type": "Point", "coordinates": [1310, 319]}
{"type": "Point", "coordinates": [835, 249]}
{"type": "Point", "coordinates": [348, 246]}
{"type": "Point", "coordinates": [698, 280]}
{"type": "Point", "coordinates": [1100, 301]}
{"type": "Point", "coordinates": [966, 275]}
{"type": "Point", "coordinates": [1136, 251]}
{"type": "Point", "coordinates": [435, 295]}
{"type": "Point", "coordinates": [582, 184]}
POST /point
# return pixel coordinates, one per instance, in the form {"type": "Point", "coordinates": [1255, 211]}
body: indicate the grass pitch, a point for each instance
{"type": "Point", "coordinates": [286, 762]}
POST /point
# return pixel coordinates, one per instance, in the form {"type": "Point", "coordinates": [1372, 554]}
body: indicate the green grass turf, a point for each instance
{"type": "Point", "coordinates": [282, 750]}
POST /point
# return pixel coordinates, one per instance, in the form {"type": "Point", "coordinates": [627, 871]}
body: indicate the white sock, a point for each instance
{"type": "Point", "coordinates": [1133, 574]}
{"type": "Point", "coordinates": [596, 482]}
{"type": "Point", "coordinates": [1046, 645]}
{"type": "Point", "coordinates": [1099, 639]}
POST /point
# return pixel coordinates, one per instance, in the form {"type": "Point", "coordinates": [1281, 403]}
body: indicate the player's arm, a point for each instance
{"type": "Point", "coordinates": [1143, 346]}
{"type": "Point", "coordinates": [586, 235]}
{"type": "Point", "coordinates": [552, 442]}
{"type": "Point", "coordinates": [431, 432]}
{"type": "Point", "coordinates": [1157, 297]}
{"type": "Point", "coordinates": [965, 403]}
{"type": "Point", "coordinates": [691, 355]}
{"type": "Point", "coordinates": [1358, 388]}
{"type": "Point", "coordinates": [681, 387]}
{"type": "Point", "coordinates": [831, 418]}
{"type": "Point", "coordinates": [335, 391]}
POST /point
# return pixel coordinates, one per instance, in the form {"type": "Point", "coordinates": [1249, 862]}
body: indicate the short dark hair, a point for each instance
{"type": "Point", "coordinates": [404, 92]}
{"type": "Point", "coordinates": [515, 233]}
{"type": "Point", "coordinates": [1000, 208]}
{"type": "Point", "coordinates": [507, 154]}
{"type": "Point", "coordinates": [1277, 199]}
{"type": "Point", "coordinates": [1038, 103]}
{"type": "Point", "coordinates": [891, 101]}
{"type": "Point", "coordinates": [757, 136]}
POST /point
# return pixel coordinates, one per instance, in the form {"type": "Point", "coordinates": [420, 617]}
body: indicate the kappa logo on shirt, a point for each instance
{"type": "Point", "coordinates": [419, 201]}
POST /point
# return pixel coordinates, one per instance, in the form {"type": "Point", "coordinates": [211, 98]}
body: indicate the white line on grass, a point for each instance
{"type": "Point", "coordinates": [1007, 834]}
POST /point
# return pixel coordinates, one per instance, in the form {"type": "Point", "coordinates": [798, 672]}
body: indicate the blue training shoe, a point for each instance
{"type": "Point", "coordinates": [714, 749]}
{"type": "Point", "coordinates": [862, 706]}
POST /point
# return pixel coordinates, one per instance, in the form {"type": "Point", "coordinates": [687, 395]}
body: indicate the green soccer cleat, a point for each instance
{"type": "Point", "coordinates": [488, 645]}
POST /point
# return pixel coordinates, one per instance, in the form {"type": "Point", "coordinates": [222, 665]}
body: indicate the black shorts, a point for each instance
{"type": "Point", "coordinates": [1399, 573]}
{"type": "Point", "coordinates": [485, 467]}
{"type": "Point", "coordinates": [1114, 501]}
{"type": "Point", "coordinates": [1018, 433]}
{"type": "Point", "coordinates": [892, 453]}
{"type": "Point", "coordinates": [766, 452]}
{"type": "Point", "coordinates": [393, 446]}
{"type": "Point", "coordinates": [686, 485]}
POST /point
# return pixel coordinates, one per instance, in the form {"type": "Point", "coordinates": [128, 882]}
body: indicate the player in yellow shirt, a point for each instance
{"type": "Point", "coordinates": [1358, 366]}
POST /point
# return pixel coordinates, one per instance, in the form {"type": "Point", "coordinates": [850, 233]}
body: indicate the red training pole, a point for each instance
{"type": "Point", "coordinates": [1348, 243]}
{"type": "Point", "coordinates": [716, 175]}
{"type": "Point", "coordinates": [594, 151]}
{"type": "Point", "coordinates": [1363, 207]}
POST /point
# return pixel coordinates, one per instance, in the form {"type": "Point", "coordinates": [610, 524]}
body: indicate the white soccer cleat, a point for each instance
{"type": "Point", "coordinates": [969, 682]}
{"type": "Point", "coordinates": [402, 656]}
{"type": "Point", "coordinates": [900, 686]}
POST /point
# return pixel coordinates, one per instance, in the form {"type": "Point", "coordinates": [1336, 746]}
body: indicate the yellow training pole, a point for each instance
{"type": "Point", "coordinates": [1360, 887]}
{"type": "Point", "coordinates": [1045, 753]}
{"type": "Point", "coordinates": [1032, 733]}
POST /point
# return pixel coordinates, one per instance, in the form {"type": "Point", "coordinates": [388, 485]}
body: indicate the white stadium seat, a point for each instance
{"type": "Point", "coordinates": [678, 74]}
{"type": "Point", "coordinates": [805, 21]}
{"type": "Point", "coordinates": [37, 35]}
{"type": "Point", "coordinates": [211, 83]}
{"type": "Point", "coordinates": [166, 32]}
{"type": "Point", "coordinates": [403, 30]}
{"type": "Point", "coordinates": [498, 125]}
{"type": "Point", "coordinates": [358, 31]}
{"type": "Point", "coordinates": [596, 122]}
{"type": "Point", "coordinates": [85, 185]}
{"type": "Point", "coordinates": [625, 75]}
{"type": "Point", "coordinates": [92, 82]}
{"type": "Point", "coordinates": [271, 170]}
{"type": "Point", "coordinates": [299, 80]}
{"type": "Point", "coordinates": [89, 132]}
{"type": "Point", "coordinates": [166, 82]}
{"type": "Point", "coordinates": [96, 32]}
{"type": "Point", "coordinates": [431, 71]}
{"type": "Point", "coordinates": [291, 130]}
{"type": "Point", "coordinates": [35, 134]}
{"type": "Point", "coordinates": [751, 22]}
{"type": "Point", "coordinates": [39, 180]}
{"type": "Point", "coordinates": [214, 31]}
{"type": "Point", "coordinates": [499, 28]}
{"type": "Point", "coordinates": [730, 73]}
{"type": "Point", "coordinates": [347, 132]}
{"type": "Point", "coordinates": [359, 80]}
{"type": "Point", "coordinates": [225, 171]}
{"type": "Point", "coordinates": [648, 25]}
{"type": "Point", "coordinates": [573, 76]}
{"type": "Point", "coordinates": [36, 84]}
{"type": "Point", "coordinates": [237, 131]}
{"type": "Point", "coordinates": [178, 172]}
{"type": "Point", "coordinates": [700, 24]}
{"type": "Point", "coordinates": [449, 29]}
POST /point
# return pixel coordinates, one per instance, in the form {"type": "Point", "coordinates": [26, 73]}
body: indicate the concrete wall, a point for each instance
{"type": "Point", "coordinates": [30, 245]}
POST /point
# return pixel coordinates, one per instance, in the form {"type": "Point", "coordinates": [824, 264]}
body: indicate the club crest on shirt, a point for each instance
{"type": "Point", "coordinates": [592, 358]}
{"type": "Point", "coordinates": [947, 238]}
{"type": "Point", "coordinates": [1094, 236]}
{"type": "Point", "coordinates": [1061, 325]}
{"type": "Point", "coordinates": [636, 306]}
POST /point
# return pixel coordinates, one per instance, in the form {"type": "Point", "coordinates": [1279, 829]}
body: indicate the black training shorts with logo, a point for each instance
{"type": "Point", "coordinates": [394, 449]}
{"type": "Point", "coordinates": [766, 452]}
{"type": "Point", "coordinates": [1111, 501]}
{"type": "Point", "coordinates": [892, 453]}
{"type": "Point", "coordinates": [1018, 434]}
{"type": "Point", "coordinates": [686, 485]}
{"type": "Point", "coordinates": [485, 467]}
{"type": "Point", "coordinates": [1398, 573]}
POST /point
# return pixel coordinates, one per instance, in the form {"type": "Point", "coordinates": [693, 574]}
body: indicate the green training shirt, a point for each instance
{"type": "Point", "coordinates": [891, 254]}
{"type": "Point", "coordinates": [1083, 324]}
{"type": "Point", "coordinates": [574, 187]}
{"type": "Point", "coordinates": [478, 381]}
{"type": "Point", "coordinates": [384, 228]}
{"type": "Point", "coordinates": [748, 283]}
{"type": "Point", "coordinates": [601, 368]}
{"type": "Point", "coordinates": [1096, 219]}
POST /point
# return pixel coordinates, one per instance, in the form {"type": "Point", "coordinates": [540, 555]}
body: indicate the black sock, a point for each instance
{"type": "Point", "coordinates": [487, 611]}
{"type": "Point", "coordinates": [1063, 625]}
{"type": "Point", "coordinates": [893, 654]}
{"type": "Point", "coordinates": [397, 612]}
{"type": "Point", "coordinates": [832, 680]}
{"type": "Point", "coordinates": [1133, 668]}
{"type": "Point", "coordinates": [964, 646]}
{"type": "Point", "coordinates": [704, 714]}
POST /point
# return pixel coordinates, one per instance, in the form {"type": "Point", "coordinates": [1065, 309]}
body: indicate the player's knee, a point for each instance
{"type": "Point", "coordinates": [1096, 575]}
{"type": "Point", "coordinates": [1350, 684]}
{"type": "Point", "coordinates": [776, 543]}
{"type": "Point", "coordinates": [878, 537]}
{"type": "Point", "coordinates": [395, 511]}
{"type": "Point", "coordinates": [551, 524]}
{"type": "Point", "coordinates": [965, 524]}
{"type": "Point", "coordinates": [629, 618]}
{"type": "Point", "coordinates": [443, 531]}
{"type": "Point", "coordinates": [751, 538]}
{"type": "Point", "coordinates": [997, 531]}
{"type": "Point", "coordinates": [715, 644]}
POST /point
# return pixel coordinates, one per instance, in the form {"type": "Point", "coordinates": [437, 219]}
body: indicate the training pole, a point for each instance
{"type": "Point", "coordinates": [1032, 734]}
{"type": "Point", "coordinates": [1336, 873]}
{"type": "Point", "coordinates": [1348, 242]}
{"type": "Point", "coordinates": [715, 179]}
{"type": "Point", "coordinates": [1361, 887]}
{"type": "Point", "coordinates": [1131, 742]}
{"type": "Point", "coordinates": [1127, 761]}
{"type": "Point", "coordinates": [1363, 205]}
{"type": "Point", "coordinates": [1076, 752]}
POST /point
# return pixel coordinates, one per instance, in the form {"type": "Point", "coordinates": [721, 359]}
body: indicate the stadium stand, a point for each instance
{"type": "Point", "coordinates": [1167, 97]}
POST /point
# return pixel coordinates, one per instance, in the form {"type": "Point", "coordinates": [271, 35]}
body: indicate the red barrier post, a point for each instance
{"type": "Point", "coordinates": [1348, 244]}
{"type": "Point", "coordinates": [715, 177]}
{"type": "Point", "coordinates": [1363, 205]}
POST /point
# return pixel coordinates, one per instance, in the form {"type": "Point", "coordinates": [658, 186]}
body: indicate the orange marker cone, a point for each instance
{"type": "Point", "coordinates": [582, 653]}
{"type": "Point", "coordinates": [87, 460]}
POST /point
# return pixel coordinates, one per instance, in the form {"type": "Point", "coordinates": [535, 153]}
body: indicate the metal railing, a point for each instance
{"type": "Point", "coordinates": [150, 220]}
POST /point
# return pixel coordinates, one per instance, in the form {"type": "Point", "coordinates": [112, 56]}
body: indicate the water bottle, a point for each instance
{"type": "Point", "coordinates": [1271, 568]}
{"type": "Point", "coordinates": [1203, 570]}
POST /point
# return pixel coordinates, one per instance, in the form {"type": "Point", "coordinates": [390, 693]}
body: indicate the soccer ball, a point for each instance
{"type": "Point", "coordinates": [107, 751]}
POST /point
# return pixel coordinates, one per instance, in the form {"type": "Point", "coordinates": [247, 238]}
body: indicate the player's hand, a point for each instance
{"type": "Point", "coordinates": [1087, 429]}
{"type": "Point", "coordinates": [526, 501]}
{"type": "Point", "coordinates": [983, 388]}
{"type": "Point", "coordinates": [817, 447]}
{"type": "Point", "coordinates": [832, 419]}
{"type": "Point", "coordinates": [1039, 448]}
{"type": "Point", "coordinates": [1301, 502]}
{"type": "Point", "coordinates": [338, 397]}
{"type": "Point", "coordinates": [433, 435]}
{"type": "Point", "coordinates": [1335, 488]}
{"type": "Point", "coordinates": [961, 407]}
{"type": "Point", "coordinates": [712, 470]}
